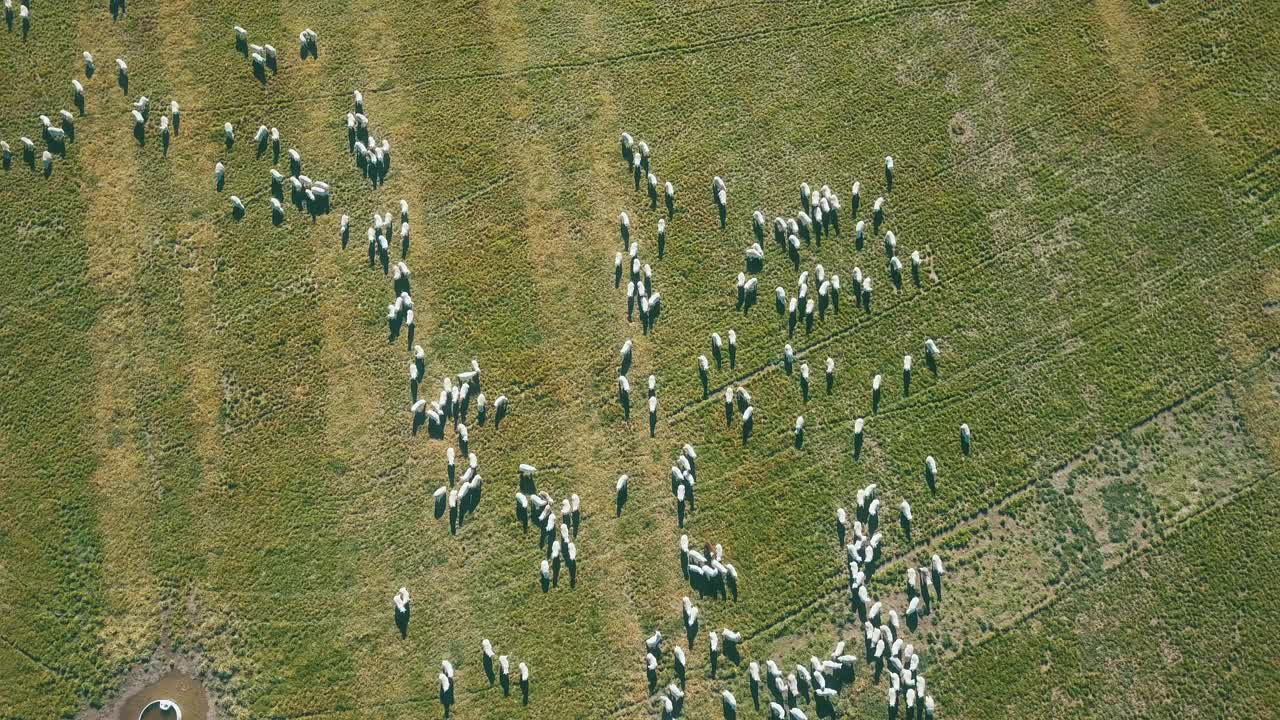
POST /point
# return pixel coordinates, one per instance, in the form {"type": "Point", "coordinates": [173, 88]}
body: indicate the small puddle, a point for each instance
{"type": "Point", "coordinates": [174, 685]}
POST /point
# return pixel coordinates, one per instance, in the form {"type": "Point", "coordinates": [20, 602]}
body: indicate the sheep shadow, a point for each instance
{"type": "Point", "coordinates": [620, 502]}
{"type": "Point", "coordinates": [402, 622]}
{"type": "Point", "coordinates": [906, 383]}
{"type": "Point", "coordinates": [122, 79]}
{"type": "Point", "coordinates": [140, 134]}
{"type": "Point", "coordinates": [875, 400]}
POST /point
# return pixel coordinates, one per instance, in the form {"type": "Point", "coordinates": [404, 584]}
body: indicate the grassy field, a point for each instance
{"type": "Point", "coordinates": [205, 443]}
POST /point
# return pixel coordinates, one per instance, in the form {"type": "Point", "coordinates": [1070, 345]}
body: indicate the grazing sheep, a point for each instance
{"type": "Point", "coordinates": [624, 226]}
{"type": "Point", "coordinates": [122, 69]}
{"type": "Point", "coordinates": [965, 438]}
{"type": "Point", "coordinates": [401, 601]}
{"type": "Point", "coordinates": [307, 40]}
{"type": "Point", "coordinates": [88, 63]}
{"type": "Point", "coordinates": [47, 162]}
{"type": "Point", "coordinates": [905, 510]}
{"type": "Point", "coordinates": [138, 120]}
{"type": "Point", "coordinates": [654, 642]}
{"type": "Point", "coordinates": [931, 469]}
{"type": "Point", "coordinates": [219, 175]}
{"type": "Point", "coordinates": [237, 205]}
{"type": "Point", "coordinates": [931, 350]}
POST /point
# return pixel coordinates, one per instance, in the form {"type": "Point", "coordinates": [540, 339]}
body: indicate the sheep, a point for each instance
{"type": "Point", "coordinates": [624, 226]}
{"type": "Point", "coordinates": [237, 205]}
{"type": "Point", "coordinates": [122, 69]}
{"type": "Point", "coordinates": [242, 36]}
{"type": "Point", "coordinates": [628, 143]}
{"type": "Point", "coordinates": [888, 173]}
{"type": "Point", "coordinates": [965, 438]}
{"type": "Point", "coordinates": [930, 350]}
{"type": "Point", "coordinates": [788, 354]}
{"type": "Point", "coordinates": [295, 161]}
{"type": "Point", "coordinates": [931, 470]}
{"type": "Point", "coordinates": [272, 55]}
{"type": "Point", "coordinates": [176, 112]}
{"type": "Point", "coordinates": [307, 40]}
{"type": "Point", "coordinates": [77, 92]}
{"type": "Point", "coordinates": [890, 244]}
{"type": "Point", "coordinates": [219, 175]}
{"type": "Point", "coordinates": [88, 63]}
{"type": "Point", "coordinates": [669, 195]}
{"type": "Point", "coordinates": [138, 120]}
{"type": "Point", "coordinates": [654, 641]}
{"type": "Point", "coordinates": [730, 703]}
{"type": "Point", "coordinates": [401, 601]}
{"type": "Point", "coordinates": [754, 253]}
{"type": "Point", "coordinates": [625, 352]}
{"type": "Point", "coordinates": [55, 136]}
{"type": "Point", "coordinates": [938, 570]}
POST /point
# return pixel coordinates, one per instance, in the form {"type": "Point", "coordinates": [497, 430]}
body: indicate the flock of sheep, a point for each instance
{"type": "Point", "coordinates": [462, 401]}
{"type": "Point", "coordinates": [885, 645]}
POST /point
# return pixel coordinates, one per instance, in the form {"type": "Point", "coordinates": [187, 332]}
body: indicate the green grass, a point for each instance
{"type": "Point", "coordinates": [204, 436]}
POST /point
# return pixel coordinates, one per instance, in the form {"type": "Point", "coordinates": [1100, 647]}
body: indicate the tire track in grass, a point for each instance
{"type": "Point", "coordinates": [728, 41]}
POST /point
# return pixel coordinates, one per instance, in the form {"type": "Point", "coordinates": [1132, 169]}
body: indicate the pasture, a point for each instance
{"type": "Point", "coordinates": [206, 450]}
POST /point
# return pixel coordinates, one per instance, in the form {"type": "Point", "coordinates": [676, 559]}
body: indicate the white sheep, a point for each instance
{"type": "Point", "coordinates": [88, 62]}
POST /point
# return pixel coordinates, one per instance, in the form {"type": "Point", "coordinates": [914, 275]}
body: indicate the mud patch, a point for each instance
{"type": "Point", "coordinates": [174, 685]}
{"type": "Point", "coordinates": [961, 128]}
{"type": "Point", "coordinates": [171, 679]}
